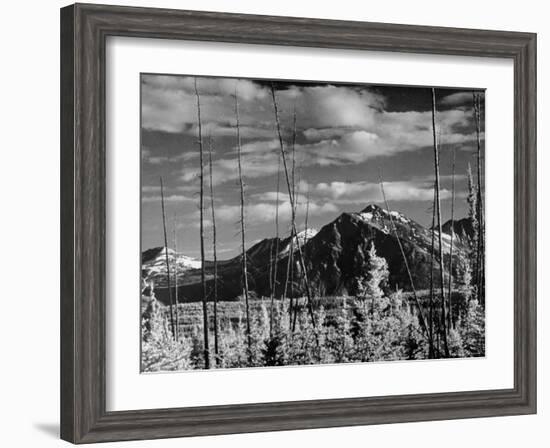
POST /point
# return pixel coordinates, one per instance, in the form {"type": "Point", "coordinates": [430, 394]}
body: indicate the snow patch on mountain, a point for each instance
{"type": "Point", "coordinates": [158, 264]}
{"type": "Point", "coordinates": [303, 237]}
{"type": "Point", "coordinates": [366, 216]}
{"type": "Point", "coordinates": [400, 217]}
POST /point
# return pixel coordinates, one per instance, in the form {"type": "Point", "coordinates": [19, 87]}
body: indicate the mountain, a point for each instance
{"type": "Point", "coordinates": [463, 228]}
{"type": "Point", "coordinates": [339, 252]}
{"type": "Point", "coordinates": [153, 264]}
{"type": "Point", "coordinates": [334, 257]}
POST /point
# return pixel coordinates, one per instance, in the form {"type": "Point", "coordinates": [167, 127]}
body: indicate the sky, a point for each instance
{"type": "Point", "coordinates": [346, 137]}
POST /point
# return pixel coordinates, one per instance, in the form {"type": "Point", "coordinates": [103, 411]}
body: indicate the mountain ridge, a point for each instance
{"type": "Point", "coordinates": [335, 256]}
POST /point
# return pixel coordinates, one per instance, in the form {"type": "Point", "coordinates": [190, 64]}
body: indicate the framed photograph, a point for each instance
{"type": "Point", "coordinates": [274, 223]}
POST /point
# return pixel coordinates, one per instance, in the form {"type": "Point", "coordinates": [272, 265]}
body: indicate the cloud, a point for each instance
{"type": "Point", "coordinates": [261, 146]}
{"type": "Point", "coordinates": [254, 165]}
{"type": "Point", "coordinates": [206, 86]}
{"type": "Point", "coordinates": [336, 125]}
{"type": "Point", "coordinates": [442, 178]}
{"type": "Point", "coordinates": [282, 196]}
{"type": "Point", "coordinates": [391, 133]}
{"type": "Point", "coordinates": [264, 212]}
{"type": "Point", "coordinates": [271, 196]}
{"type": "Point", "coordinates": [354, 147]}
{"type": "Point", "coordinates": [148, 157]}
{"type": "Point", "coordinates": [150, 189]}
{"type": "Point", "coordinates": [168, 198]}
{"type": "Point", "coordinates": [332, 106]}
{"type": "Point", "coordinates": [324, 133]}
{"type": "Point", "coordinates": [457, 99]}
{"type": "Point", "coordinates": [169, 104]}
{"type": "Point", "coordinates": [365, 192]}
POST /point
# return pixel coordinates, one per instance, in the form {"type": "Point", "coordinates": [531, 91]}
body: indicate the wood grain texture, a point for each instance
{"type": "Point", "coordinates": [84, 29]}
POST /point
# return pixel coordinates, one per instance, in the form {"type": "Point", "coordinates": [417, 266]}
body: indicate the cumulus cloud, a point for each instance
{"type": "Point", "coordinates": [254, 165]}
{"type": "Point", "coordinates": [391, 133]}
{"type": "Point", "coordinates": [364, 192]}
{"type": "Point", "coordinates": [261, 146]}
{"type": "Point", "coordinates": [214, 86]}
{"type": "Point", "coordinates": [169, 104]}
{"type": "Point", "coordinates": [282, 196]}
{"type": "Point", "coordinates": [336, 125]}
{"type": "Point", "coordinates": [332, 106]}
{"type": "Point", "coordinates": [325, 133]}
{"type": "Point", "coordinates": [264, 212]}
{"type": "Point", "coordinates": [270, 196]}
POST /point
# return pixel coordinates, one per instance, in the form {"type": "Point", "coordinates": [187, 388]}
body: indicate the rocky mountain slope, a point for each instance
{"type": "Point", "coordinates": [334, 256]}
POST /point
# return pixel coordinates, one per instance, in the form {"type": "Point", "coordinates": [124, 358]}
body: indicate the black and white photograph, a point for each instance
{"type": "Point", "coordinates": [291, 222]}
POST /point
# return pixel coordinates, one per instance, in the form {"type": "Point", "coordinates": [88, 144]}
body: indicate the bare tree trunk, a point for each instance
{"type": "Point", "coordinates": [293, 309]}
{"type": "Point", "coordinates": [172, 326]}
{"type": "Point", "coordinates": [421, 319]}
{"type": "Point", "coordinates": [439, 227]}
{"type": "Point", "coordinates": [243, 230]}
{"type": "Point", "coordinates": [305, 240]}
{"type": "Point", "coordinates": [296, 307]}
{"type": "Point", "coordinates": [201, 212]}
{"type": "Point", "coordinates": [288, 277]}
{"type": "Point", "coordinates": [275, 261]}
{"type": "Point", "coordinates": [293, 215]}
{"type": "Point", "coordinates": [215, 255]}
{"type": "Point", "coordinates": [431, 353]}
{"type": "Point", "coordinates": [480, 279]}
{"type": "Point", "coordinates": [450, 322]}
{"type": "Point", "coordinates": [307, 214]}
{"type": "Point", "coordinates": [176, 275]}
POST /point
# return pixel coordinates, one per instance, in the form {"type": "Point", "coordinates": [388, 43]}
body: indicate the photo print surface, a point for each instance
{"type": "Point", "coordinates": [290, 223]}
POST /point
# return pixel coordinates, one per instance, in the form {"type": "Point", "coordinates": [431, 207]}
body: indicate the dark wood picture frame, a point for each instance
{"type": "Point", "coordinates": [84, 29]}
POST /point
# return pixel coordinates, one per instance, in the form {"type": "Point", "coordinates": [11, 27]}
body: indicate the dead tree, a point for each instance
{"type": "Point", "coordinates": [214, 254]}
{"type": "Point", "coordinates": [289, 278]}
{"type": "Point", "coordinates": [432, 289]}
{"type": "Point", "coordinates": [295, 315]}
{"type": "Point", "coordinates": [307, 213]}
{"type": "Point", "coordinates": [450, 322]}
{"type": "Point", "coordinates": [421, 318]}
{"type": "Point", "coordinates": [439, 228]}
{"type": "Point", "coordinates": [243, 231]}
{"type": "Point", "coordinates": [176, 275]}
{"type": "Point", "coordinates": [480, 263]}
{"type": "Point", "coordinates": [274, 259]}
{"type": "Point", "coordinates": [293, 215]}
{"type": "Point", "coordinates": [201, 224]}
{"type": "Point", "coordinates": [172, 326]}
{"type": "Point", "coordinates": [292, 200]}
{"type": "Point", "coordinates": [305, 240]}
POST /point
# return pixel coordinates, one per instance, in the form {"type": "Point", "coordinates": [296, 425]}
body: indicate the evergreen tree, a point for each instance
{"type": "Point", "coordinates": [160, 351]}
{"type": "Point", "coordinates": [369, 284]}
{"type": "Point", "coordinates": [259, 333]}
{"type": "Point", "coordinates": [275, 352]}
{"type": "Point", "coordinates": [339, 338]}
{"type": "Point", "coordinates": [455, 343]}
{"type": "Point", "coordinates": [472, 329]}
{"type": "Point", "coordinates": [233, 344]}
{"type": "Point", "coordinates": [376, 324]}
